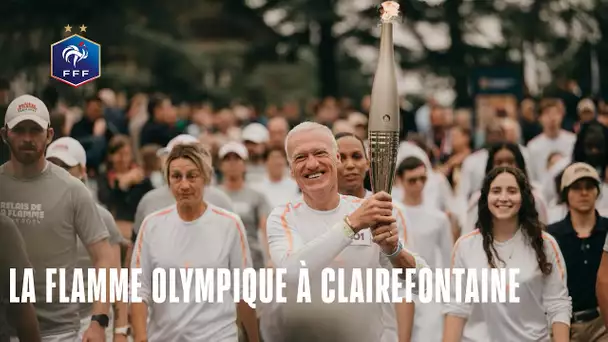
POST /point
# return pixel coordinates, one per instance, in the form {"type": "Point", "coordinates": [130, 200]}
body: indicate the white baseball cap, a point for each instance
{"type": "Point", "coordinates": [178, 140]}
{"type": "Point", "coordinates": [68, 150]}
{"type": "Point", "coordinates": [233, 147]}
{"type": "Point", "coordinates": [27, 107]}
{"type": "Point", "coordinates": [255, 132]}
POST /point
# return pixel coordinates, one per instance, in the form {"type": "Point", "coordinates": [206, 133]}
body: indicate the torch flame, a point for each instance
{"type": "Point", "coordinates": [389, 11]}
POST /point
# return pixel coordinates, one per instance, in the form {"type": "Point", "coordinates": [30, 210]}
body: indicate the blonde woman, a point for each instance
{"type": "Point", "coordinates": [190, 233]}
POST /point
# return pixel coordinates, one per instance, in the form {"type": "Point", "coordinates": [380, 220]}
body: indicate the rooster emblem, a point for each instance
{"type": "Point", "coordinates": [76, 53]}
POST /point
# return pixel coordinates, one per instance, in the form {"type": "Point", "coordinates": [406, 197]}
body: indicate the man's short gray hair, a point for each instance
{"type": "Point", "coordinates": [309, 126]}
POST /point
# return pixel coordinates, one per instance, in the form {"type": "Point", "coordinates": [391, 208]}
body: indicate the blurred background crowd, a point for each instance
{"type": "Point", "coordinates": [248, 71]}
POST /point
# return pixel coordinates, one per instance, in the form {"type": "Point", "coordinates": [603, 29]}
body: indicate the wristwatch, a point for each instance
{"type": "Point", "coordinates": [126, 331]}
{"type": "Point", "coordinates": [102, 319]}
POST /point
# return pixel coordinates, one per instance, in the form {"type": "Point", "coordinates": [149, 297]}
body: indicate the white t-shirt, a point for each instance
{"type": "Point", "coordinates": [299, 234]}
{"type": "Point", "coordinates": [217, 239]}
{"type": "Point", "coordinates": [429, 235]}
{"type": "Point", "coordinates": [542, 146]}
{"type": "Point", "coordinates": [278, 193]}
{"type": "Point", "coordinates": [543, 299]}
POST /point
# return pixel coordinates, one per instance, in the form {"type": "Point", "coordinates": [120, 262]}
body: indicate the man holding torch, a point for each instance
{"type": "Point", "coordinates": [324, 229]}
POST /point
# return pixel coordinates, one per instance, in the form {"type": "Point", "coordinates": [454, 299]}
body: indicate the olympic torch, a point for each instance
{"type": "Point", "coordinates": [384, 111]}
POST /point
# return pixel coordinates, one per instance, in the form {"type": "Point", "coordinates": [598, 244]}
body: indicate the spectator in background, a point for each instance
{"type": "Point", "coordinates": [248, 203]}
{"type": "Point", "coordinates": [461, 148]}
{"type": "Point", "coordinates": [472, 172]}
{"type": "Point", "coordinates": [553, 138]}
{"type": "Point", "coordinates": [151, 165]}
{"type": "Point", "coordinates": [530, 127]}
{"type": "Point", "coordinates": [359, 123]}
{"type": "Point", "coordinates": [438, 138]}
{"type": "Point", "coordinates": [92, 133]}
{"type": "Point", "coordinates": [277, 184]}
{"type": "Point", "coordinates": [586, 110]}
{"type": "Point", "coordinates": [137, 115]}
{"type": "Point", "coordinates": [123, 185]}
{"type": "Point", "coordinates": [255, 138]}
{"type": "Point", "coordinates": [277, 131]}
{"type": "Point", "coordinates": [160, 127]}
{"type": "Point", "coordinates": [513, 135]}
{"type": "Point", "coordinates": [115, 117]}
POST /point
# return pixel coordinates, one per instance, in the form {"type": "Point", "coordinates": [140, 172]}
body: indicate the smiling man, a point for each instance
{"type": "Point", "coordinates": [324, 229]}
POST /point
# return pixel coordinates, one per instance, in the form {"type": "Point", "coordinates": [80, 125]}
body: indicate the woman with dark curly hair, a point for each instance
{"type": "Point", "coordinates": [510, 235]}
{"type": "Point", "coordinates": [504, 154]}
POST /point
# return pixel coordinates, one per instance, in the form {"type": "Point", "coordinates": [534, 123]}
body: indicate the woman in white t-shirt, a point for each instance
{"type": "Point", "coordinates": [190, 233]}
{"type": "Point", "coordinates": [354, 164]}
{"type": "Point", "coordinates": [504, 154]}
{"type": "Point", "coordinates": [510, 236]}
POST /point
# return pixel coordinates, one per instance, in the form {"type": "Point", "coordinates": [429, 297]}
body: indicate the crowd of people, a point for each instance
{"type": "Point", "coordinates": [147, 184]}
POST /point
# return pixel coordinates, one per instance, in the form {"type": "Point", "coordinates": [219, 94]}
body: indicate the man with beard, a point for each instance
{"type": "Point", "coordinates": [51, 208]}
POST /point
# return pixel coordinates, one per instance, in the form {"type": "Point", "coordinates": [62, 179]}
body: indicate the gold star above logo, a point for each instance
{"type": "Point", "coordinates": [83, 28]}
{"type": "Point", "coordinates": [68, 28]}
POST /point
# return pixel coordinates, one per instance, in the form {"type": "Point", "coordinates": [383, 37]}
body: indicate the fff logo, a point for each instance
{"type": "Point", "coordinates": [75, 60]}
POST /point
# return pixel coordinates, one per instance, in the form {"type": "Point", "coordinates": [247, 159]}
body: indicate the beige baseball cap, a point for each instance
{"type": "Point", "coordinates": [68, 150]}
{"type": "Point", "coordinates": [578, 171]}
{"type": "Point", "coordinates": [255, 132]}
{"type": "Point", "coordinates": [27, 107]}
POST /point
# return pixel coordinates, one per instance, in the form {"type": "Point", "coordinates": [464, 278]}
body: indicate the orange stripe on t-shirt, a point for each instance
{"type": "Point", "coordinates": [286, 227]}
{"type": "Point", "coordinates": [560, 267]}
{"type": "Point", "coordinates": [402, 218]}
{"type": "Point", "coordinates": [141, 233]}
{"type": "Point", "coordinates": [239, 228]}
{"type": "Point", "coordinates": [466, 236]}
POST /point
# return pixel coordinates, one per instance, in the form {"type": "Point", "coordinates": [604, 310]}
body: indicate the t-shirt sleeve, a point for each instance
{"type": "Point", "coordinates": [87, 221]}
{"type": "Point", "coordinates": [263, 206]}
{"type": "Point", "coordinates": [606, 245]}
{"type": "Point", "coordinates": [455, 307]}
{"type": "Point", "coordinates": [288, 250]}
{"type": "Point", "coordinates": [115, 235]}
{"type": "Point", "coordinates": [557, 302]}
{"type": "Point", "coordinates": [12, 252]}
{"type": "Point", "coordinates": [240, 256]}
{"type": "Point", "coordinates": [218, 198]}
{"type": "Point", "coordinates": [141, 260]}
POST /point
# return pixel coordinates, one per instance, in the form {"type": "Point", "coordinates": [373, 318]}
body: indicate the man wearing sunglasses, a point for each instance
{"type": "Point", "coordinates": [430, 235]}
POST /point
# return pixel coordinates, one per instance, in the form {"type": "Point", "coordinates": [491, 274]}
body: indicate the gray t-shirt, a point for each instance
{"type": "Point", "coordinates": [606, 245]}
{"type": "Point", "coordinates": [162, 197]}
{"type": "Point", "coordinates": [84, 260]}
{"type": "Point", "coordinates": [51, 211]}
{"type": "Point", "coordinates": [251, 205]}
{"type": "Point", "coordinates": [12, 255]}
